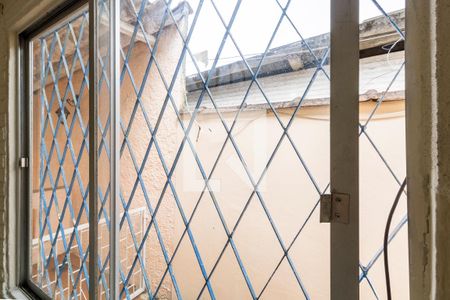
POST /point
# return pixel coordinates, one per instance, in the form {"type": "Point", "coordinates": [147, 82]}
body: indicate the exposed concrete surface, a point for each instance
{"type": "Point", "coordinates": [3, 150]}
{"type": "Point", "coordinates": [418, 165]}
{"type": "Point", "coordinates": [441, 289]}
{"type": "Point", "coordinates": [428, 108]}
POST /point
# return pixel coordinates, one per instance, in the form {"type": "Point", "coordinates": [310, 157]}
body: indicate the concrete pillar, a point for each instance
{"type": "Point", "coordinates": [428, 146]}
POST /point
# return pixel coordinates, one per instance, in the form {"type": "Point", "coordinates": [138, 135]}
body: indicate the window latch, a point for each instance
{"type": "Point", "coordinates": [334, 208]}
{"type": "Point", "coordinates": [23, 162]}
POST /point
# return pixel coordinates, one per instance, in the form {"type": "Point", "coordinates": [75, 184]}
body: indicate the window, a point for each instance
{"type": "Point", "coordinates": [180, 149]}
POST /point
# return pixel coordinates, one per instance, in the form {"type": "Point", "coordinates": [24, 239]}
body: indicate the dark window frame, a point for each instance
{"type": "Point", "coordinates": [25, 147]}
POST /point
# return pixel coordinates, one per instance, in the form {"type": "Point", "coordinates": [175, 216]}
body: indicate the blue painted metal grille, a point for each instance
{"type": "Point", "coordinates": [145, 123]}
{"type": "Point", "coordinates": [181, 235]}
{"type": "Point", "coordinates": [61, 244]}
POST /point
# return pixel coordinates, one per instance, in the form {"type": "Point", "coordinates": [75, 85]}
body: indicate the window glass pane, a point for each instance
{"type": "Point", "coordinates": [60, 159]}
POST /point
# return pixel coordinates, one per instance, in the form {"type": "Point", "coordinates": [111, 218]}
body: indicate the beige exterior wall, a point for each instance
{"type": "Point", "coordinates": [290, 196]}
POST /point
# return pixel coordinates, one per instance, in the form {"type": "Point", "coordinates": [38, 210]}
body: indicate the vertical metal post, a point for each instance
{"type": "Point", "coordinates": [344, 112]}
{"type": "Point", "coordinates": [114, 27]}
{"type": "Point", "coordinates": [93, 153]}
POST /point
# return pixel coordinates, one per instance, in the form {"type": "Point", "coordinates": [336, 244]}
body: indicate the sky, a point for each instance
{"type": "Point", "coordinates": [255, 23]}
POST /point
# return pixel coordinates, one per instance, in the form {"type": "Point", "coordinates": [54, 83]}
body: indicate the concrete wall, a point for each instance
{"type": "Point", "coordinates": [428, 91]}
